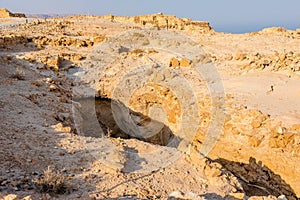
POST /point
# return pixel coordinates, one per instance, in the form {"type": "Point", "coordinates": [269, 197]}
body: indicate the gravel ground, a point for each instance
{"type": "Point", "coordinates": [6, 23]}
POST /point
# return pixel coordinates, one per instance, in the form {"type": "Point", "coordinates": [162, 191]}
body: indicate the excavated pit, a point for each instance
{"type": "Point", "coordinates": [258, 179]}
{"type": "Point", "coordinates": [106, 119]}
{"type": "Point", "coordinates": [255, 179]}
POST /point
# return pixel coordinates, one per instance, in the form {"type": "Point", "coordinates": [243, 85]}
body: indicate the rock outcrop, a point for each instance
{"type": "Point", "coordinates": [4, 13]}
{"type": "Point", "coordinates": [279, 61]}
{"type": "Point", "coordinates": [12, 40]}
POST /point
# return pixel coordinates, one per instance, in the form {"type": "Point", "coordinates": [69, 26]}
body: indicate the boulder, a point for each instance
{"type": "Point", "coordinates": [185, 62]}
{"type": "Point", "coordinates": [54, 63]}
{"type": "Point", "coordinates": [240, 56]}
{"type": "Point", "coordinates": [174, 62]}
{"type": "Point", "coordinates": [11, 197]}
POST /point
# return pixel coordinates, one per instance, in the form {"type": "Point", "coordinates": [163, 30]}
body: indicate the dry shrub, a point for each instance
{"type": "Point", "coordinates": [138, 35]}
{"type": "Point", "coordinates": [52, 182]}
{"type": "Point", "coordinates": [137, 51]}
{"type": "Point", "coordinates": [36, 83]}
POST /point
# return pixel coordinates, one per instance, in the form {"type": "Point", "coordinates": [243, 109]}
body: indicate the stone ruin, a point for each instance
{"type": "Point", "coordinates": [159, 21]}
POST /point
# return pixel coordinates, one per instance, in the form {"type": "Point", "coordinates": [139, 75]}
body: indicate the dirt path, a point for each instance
{"type": "Point", "coordinates": [272, 93]}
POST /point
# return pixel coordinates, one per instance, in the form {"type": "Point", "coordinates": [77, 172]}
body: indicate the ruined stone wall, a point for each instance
{"type": "Point", "coordinates": [19, 15]}
{"type": "Point", "coordinates": [12, 40]}
{"type": "Point", "coordinates": [159, 21]}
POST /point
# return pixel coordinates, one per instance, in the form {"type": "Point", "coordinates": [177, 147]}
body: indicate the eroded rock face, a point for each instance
{"type": "Point", "coordinates": [50, 33]}
{"type": "Point", "coordinates": [67, 41]}
{"type": "Point", "coordinates": [4, 13]}
{"type": "Point", "coordinates": [261, 136]}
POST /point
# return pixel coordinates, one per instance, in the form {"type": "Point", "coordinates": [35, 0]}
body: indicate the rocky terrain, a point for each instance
{"type": "Point", "coordinates": [120, 108]}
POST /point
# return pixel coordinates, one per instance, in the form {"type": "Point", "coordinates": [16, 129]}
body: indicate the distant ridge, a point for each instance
{"type": "Point", "coordinates": [47, 15]}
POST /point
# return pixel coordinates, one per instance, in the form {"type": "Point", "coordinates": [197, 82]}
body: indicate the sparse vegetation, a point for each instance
{"type": "Point", "coordinates": [109, 132]}
{"type": "Point", "coordinates": [138, 51]}
{"type": "Point", "coordinates": [52, 182]}
{"type": "Point", "coordinates": [36, 83]}
{"type": "Point", "coordinates": [138, 35]}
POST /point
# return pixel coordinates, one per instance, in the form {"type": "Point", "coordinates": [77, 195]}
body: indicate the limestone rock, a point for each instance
{"type": "Point", "coordinates": [77, 57]}
{"type": "Point", "coordinates": [240, 56]}
{"type": "Point", "coordinates": [273, 30]}
{"type": "Point", "coordinates": [53, 63]}
{"type": "Point", "coordinates": [59, 128]}
{"type": "Point", "coordinates": [174, 62]}
{"type": "Point", "coordinates": [185, 62]}
{"type": "Point", "coordinates": [52, 87]}
{"type": "Point", "coordinates": [11, 197]}
{"type": "Point", "coordinates": [213, 170]}
{"type": "Point", "coordinates": [278, 61]}
{"type": "Point", "coordinates": [282, 197]}
{"type": "Point", "coordinates": [66, 41]}
{"type": "Point", "coordinates": [159, 20]}
{"type": "Point", "coordinates": [262, 198]}
{"type": "Point", "coordinates": [295, 127]}
{"type": "Point", "coordinates": [235, 196]}
{"type": "Point", "coordinates": [12, 40]}
{"type": "Point", "coordinates": [98, 39]}
{"type": "Point", "coordinates": [278, 140]}
{"type": "Point", "coordinates": [178, 195]}
{"type": "Point", "coordinates": [256, 140]}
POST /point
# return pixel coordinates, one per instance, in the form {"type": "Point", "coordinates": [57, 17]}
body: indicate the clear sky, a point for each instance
{"type": "Point", "coordinates": [224, 15]}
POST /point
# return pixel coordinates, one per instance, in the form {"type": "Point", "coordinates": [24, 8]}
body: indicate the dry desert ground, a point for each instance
{"type": "Point", "coordinates": [220, 112]}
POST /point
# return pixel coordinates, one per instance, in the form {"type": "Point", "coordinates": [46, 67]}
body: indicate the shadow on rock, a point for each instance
{"type": "Point", "coordinates": [257, 179]}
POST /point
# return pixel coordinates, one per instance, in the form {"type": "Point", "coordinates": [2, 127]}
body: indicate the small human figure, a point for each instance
{"type": "Point", "coordinates": [112, 19]}
{"type": "Point", "coordinates": [167, 22]}
{"type": "Point", "coordinates": [271, 90]}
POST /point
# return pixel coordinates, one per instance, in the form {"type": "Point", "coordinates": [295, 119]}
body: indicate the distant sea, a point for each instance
{"type": "Point", "coordinates": [47, 15]}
